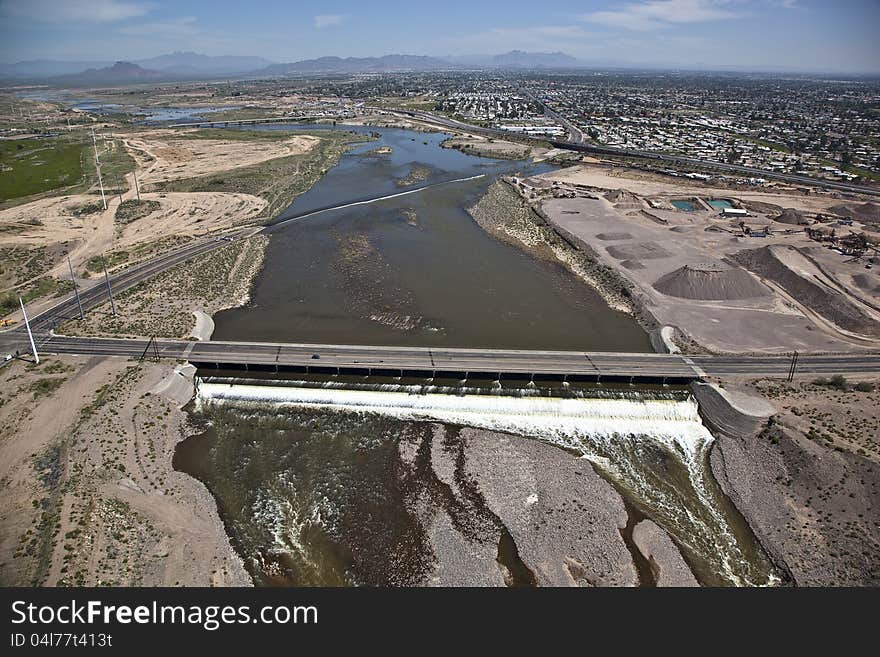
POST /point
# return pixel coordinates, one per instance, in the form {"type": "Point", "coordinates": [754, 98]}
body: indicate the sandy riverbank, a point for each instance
{"type": "Point", "coordinates": [174, 154]}
{"type": "Point", "coordinates": [89, 494]}
{"type": "Point", "coordinates": [506, 215]}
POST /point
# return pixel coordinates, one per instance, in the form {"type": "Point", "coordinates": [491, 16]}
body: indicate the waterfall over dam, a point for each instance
{"type": "Point", "coordinates": [651, 445]}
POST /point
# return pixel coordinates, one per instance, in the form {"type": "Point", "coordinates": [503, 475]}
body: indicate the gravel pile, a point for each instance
{"type": "Point", "coordinates": [714, 281]}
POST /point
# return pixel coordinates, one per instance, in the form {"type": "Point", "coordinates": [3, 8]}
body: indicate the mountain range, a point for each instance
{"type": "Point", "coordinates": [191, 66]}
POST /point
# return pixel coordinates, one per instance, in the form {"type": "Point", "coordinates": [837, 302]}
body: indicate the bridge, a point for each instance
{"type": "Point", "coordinates": [394, 361]}
{"type": "Point", "coordinates": [234, 122]}
{"type": "Point", "coordinates": [460, 363]}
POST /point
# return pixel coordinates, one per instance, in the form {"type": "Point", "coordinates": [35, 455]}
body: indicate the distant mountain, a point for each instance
{"type": "Point", "coordinates": [383, 64]}
{"type": "Point", "coordinates": [191, 63]}
{"type": "Point", "coordinates": [518, 59]}
{"type": "Point", "coordinates": [119, 73]}
{"type": "Point", "coordinates": [194, 66]}
{"type": "Point", "coordinates": [44, 68]}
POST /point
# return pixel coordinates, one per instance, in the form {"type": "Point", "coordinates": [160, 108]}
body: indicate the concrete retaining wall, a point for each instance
{"type": "Point", "coordinates": [732, 414]}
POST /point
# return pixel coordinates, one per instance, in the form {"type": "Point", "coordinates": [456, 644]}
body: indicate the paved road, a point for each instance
{"type": "Point", "coordinates": [650, 155]}
{"type": "Point", "coordinates": [422, 360]}
{"type": "Point", "coordinates": [97, 293]}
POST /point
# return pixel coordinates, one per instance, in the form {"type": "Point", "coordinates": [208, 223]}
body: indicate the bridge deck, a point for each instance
{"type": "Point", "coordinates": [420, 360]}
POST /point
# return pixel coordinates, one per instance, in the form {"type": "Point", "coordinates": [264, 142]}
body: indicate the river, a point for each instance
{"type": "Point", "coordinates": [309, 476]}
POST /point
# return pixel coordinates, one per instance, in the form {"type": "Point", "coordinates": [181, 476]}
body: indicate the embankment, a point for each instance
{"type": "Point", "coordinates": [503, 213]}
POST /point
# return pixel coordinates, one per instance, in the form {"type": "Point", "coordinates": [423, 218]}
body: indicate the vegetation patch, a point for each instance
{"type": "Point", "coordinates": [133, 210]}
{"type": "Point", "coordinates": [32, 166]}
{"type": "Point", "coordinates": [45, 387]}
{"type": "Point", "coordinates": [41, 287]}
{"type": "Point", "coordinates": [87, 209]}
{"type": "Point", "coordinates": [95, 264]}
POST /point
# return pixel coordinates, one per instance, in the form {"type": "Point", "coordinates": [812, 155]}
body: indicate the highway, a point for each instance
{"type": "Point", "coordinates": [649, 155]}
{"type": "Point", "coordinates": [428, 362]}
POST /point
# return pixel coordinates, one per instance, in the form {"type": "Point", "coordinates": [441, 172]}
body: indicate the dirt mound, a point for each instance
{"type": "Point", "coordinates": [867, 282]}
{"type": "Point", "coordinates": [683, 229]}
{"type": "Point", "coordinates": [791, 216]}
{"type": "Point", "coordinates": [624, 200]}
{"type": "Point", "coordinates": [783, 266]}
{"type": "Point", "coordinates": [632, 264]}
{"type": "Point", "coordinates": [760, 207]}
{"type": "Point", "coordinates": [867, 213]}
{"type": "Point", "coordinates": [710, 281]}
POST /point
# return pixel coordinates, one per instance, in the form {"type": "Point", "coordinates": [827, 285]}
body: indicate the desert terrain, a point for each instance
{"type": "Point", "coordinates": [90, 496]}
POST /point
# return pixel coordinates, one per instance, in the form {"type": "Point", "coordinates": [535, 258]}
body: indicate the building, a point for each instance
{"type": "Point", "coordinates": [734, 212]}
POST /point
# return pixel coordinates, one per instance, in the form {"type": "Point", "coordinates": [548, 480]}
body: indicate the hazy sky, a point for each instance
{"type": "Point", "coordinates": [815, 35]}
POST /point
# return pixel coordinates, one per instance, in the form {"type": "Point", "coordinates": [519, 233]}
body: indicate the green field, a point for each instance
{"type": "Point", "coordinates": [32, 166]}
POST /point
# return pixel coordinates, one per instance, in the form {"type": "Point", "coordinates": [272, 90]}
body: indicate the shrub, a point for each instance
{"type": "Point", "coordinates": [133, 210]}
{"type": "Point", "coordinates": [865, 386]}
{"type": "Point", "coordinates": [838, 382]}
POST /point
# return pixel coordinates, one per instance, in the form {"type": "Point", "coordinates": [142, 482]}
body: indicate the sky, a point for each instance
{"type": "Point", "coordinates": [797, 35]}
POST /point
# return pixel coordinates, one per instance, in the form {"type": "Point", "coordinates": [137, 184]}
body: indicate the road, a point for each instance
{"type": "Point", "coordinates": [649, 155]}
{"type": "Point", "coordinates": [423, 361]}
{"type": "Point", "coordinates": [97, 293]}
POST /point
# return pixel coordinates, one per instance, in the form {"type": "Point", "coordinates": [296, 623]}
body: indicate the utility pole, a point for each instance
{"type": "Point", "coordinates": [98, 169]}
{"type": "Point", "coordinates": [109, 289]}
{"type": "Point", "coordinates": [136, 189]}
{"type": "Point", "coordinates": [75, 289]}
{"type": "Point", "coordinates": [95, 144]}
{"type": "Point", "coordinates": [30, 335]}
{"type": "Point", "coordinates": [118, 188]}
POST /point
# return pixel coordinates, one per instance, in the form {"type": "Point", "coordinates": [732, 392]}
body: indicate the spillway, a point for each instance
{"type": "Point", "coordinates": [651, 445]}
